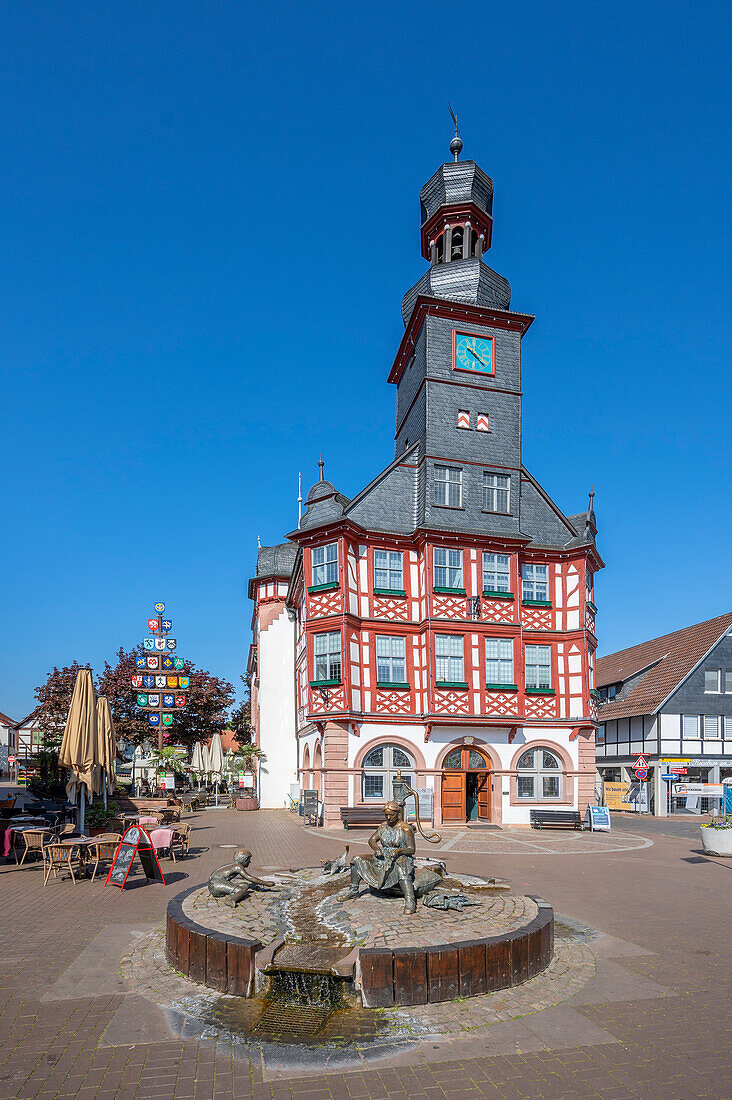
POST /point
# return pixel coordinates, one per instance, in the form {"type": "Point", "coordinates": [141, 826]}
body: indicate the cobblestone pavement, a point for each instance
{"type": "Point", "coordinates": [651, 1020]}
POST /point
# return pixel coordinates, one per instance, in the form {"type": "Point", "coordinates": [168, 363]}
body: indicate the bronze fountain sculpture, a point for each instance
{"type": "Point", "coordinates": [233, 882]}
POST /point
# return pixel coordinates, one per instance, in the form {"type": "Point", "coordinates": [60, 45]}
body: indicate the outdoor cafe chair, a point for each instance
{"type": "Point", "coordinates": [31, 840]}
{"type": "Point", "coordinates": [59, 856]}
{"type": "Point", "coordinates": [6, 805]}
{"type": "Point", "coordinates": [181, 839]}
{"type": "Point", "coordinates": [103, 848]}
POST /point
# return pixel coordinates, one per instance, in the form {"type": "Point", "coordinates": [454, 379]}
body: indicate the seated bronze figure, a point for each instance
{"type": "Point", "coordinates": [391, 868]}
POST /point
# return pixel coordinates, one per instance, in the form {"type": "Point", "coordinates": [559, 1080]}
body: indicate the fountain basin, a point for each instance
{"type": "Point", "coordinates": [427, 958]}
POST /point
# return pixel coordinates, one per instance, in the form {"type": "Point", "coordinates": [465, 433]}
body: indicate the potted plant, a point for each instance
{"type": "Point", "coordinates": [717, 837]}
{"type": "Point", "coordinates": [98, 818]}
{"type": "Point", "coordinates": [244, 762]}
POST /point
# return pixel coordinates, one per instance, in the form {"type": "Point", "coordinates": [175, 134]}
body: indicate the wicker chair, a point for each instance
{"type": "Point", "coordinates": [181, 839]}
{"type": "Point", "coordinates": [103, 848]}
{"type": "Point", "coordinates": [29, 840]}
{"type": "Point", "coordinates": [57, 857]}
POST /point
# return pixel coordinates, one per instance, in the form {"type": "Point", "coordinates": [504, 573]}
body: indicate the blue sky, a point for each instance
{"type": "Point", "coordinates": [210, 212]}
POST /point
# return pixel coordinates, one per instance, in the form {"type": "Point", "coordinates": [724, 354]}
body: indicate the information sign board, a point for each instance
{"type": "Point", "coordinates": [598, 819]}
{"type": "Point", "coordinates": [310, 804]}
{"type": "Point", "coordinates": [704, 790]}
{"type": "Point", "coordinates": [135, 841]}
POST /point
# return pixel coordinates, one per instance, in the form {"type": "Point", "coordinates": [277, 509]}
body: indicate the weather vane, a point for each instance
{"type": "Point", "coordinates": [456, 145]}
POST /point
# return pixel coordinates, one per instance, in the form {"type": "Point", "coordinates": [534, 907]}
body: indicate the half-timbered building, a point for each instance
{"type": "Point", "coordinates": [441, 622]}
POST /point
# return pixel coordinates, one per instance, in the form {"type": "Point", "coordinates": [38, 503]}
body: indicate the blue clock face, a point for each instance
{"type": "Point", "coordinates": [474, 352]}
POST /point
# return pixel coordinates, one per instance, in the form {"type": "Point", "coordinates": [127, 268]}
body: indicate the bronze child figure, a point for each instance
{"type": "Point", "coordinates": [232, 881]}
{"type": "Point", "coordinates": [392, 864]}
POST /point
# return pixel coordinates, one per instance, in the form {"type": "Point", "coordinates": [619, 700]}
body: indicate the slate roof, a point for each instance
{"type": "Point", "coordinates": [668, 659]}
{"type": "Point", "coordinates": [276, 561]}
{"type": "Point", "coordinates": [456, 182]}
{"type": "Point", "coordinates": [5, 721]}
{"type": "Point", "coordinates": [460, 281]}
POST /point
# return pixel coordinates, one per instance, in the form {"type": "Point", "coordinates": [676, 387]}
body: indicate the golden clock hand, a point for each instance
{"type": "Point", "coordinates": [476, 355]}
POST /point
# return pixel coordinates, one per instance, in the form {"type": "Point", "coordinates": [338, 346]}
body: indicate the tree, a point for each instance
{"type": "Point", "coordinates": [241, 722]}
{"type": "Point", "coordinates": [208, 701]}
{"type": "Point", "coordinates": [54, 700]}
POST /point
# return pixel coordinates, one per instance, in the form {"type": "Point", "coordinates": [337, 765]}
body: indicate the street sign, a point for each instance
{"type": "Point", "coordinates": [11, 760]}
{"type": "Point", "coordinates": [641, 773]}
{"type": "Point", "coordinates": [669, 778]}
{"type": "Point", "coordinates": [641, 762]}
{"type": "Point", "coordinates": [677, 771]}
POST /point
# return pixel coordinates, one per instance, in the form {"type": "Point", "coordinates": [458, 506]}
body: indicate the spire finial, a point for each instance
{"type": "Point", "coordinates": [321, 467]}
{"type": "Point", "coordinates": [456, 145]}
{"type": "Point", "coordinates": [299, 498]}
{"type": "Point", "coordinates": [591, 505]}
{"type": "Point", "coordinates": [259, 543]}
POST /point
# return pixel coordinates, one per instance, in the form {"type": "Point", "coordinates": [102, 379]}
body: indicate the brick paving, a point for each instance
{"type": "Point", "coordinates": [654, 1021]}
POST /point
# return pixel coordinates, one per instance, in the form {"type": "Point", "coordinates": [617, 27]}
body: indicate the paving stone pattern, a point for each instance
{"type": "Point", "coordinates": [653, 1022]}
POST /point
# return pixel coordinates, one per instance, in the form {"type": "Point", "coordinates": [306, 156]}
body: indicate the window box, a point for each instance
{"type": "Point", "coordinates": [389, 592]}
{"type": "Point", "coordinates": [451, 684]}
{"type": "Point", "coordinates": [491, 595]}
{"type": "Point", "coordinates": [537, 603]}
{"type": "Point", "coordinates": [449, 591]}
{"type": "Point", "coordinates": [501, 687]}
{"type": "Point", "coordinates": [393, 686]}
{"type": "Point", "coordinates": [324, 587]}
{"type": "Point", "coordinates": [540, 691]}
{"type": "Point", "coordinates": [592, 607]}
{"type": "Point", "coordinates": [324, 683]}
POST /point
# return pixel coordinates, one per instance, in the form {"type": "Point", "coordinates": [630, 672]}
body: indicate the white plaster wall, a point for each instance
{"type": "Point", "coordinates": [277, 712]}
{"type": "Point", "coordinates": [441, 736]}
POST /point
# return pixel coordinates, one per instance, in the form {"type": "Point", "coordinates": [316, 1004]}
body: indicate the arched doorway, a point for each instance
{"type": "Point", "coordinates": [318, 769]}
{"type": "Point", "coordinates": [466, 785]}
{"type": "Point", "coordinates": [306, 778]}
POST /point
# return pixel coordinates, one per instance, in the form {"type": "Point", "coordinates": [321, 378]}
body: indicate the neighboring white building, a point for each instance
{"type": "Point", "coordinates": [273, 698]}
{"type": "Point", "coordinates": [7, 741]}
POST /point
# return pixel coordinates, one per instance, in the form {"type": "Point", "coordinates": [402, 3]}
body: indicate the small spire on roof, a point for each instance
{"type": "Point", "coordinates": [590, 506]}
{"type": "Point", "coordinates": [456, 145]}
{"type": "Point", "coordinates": [259, 543]}
{"type": "Point", "coordinates": [299, 498]}
{"type": "Point", "coordinates": [321, 467]}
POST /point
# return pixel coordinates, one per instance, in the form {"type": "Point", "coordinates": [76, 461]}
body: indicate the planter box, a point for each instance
{"type": "Point", "coordinates": [247, 803]}
{"type": "Point", "coordinates": [717, 842]}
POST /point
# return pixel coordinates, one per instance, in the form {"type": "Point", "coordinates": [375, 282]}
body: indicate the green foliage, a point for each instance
{"type": "Point", "coordinates": [168, 760]}
{"type": "Point", "coordinates": [98, 815]}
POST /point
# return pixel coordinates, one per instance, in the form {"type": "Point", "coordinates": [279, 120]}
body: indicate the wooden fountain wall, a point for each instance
{"type": "Point", "coordinates": [397, 976]}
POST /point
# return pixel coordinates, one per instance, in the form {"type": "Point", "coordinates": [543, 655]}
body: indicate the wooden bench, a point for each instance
{"type": "Point", "coordinates": [361, 815]}
{"type": "Point", "coordinates": [560, 819]}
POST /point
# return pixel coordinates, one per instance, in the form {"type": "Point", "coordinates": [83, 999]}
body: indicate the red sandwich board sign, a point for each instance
{"type": "Point", "coordinates": [641, 762]}
{"type": "Point", "coordinates": [135, 841]}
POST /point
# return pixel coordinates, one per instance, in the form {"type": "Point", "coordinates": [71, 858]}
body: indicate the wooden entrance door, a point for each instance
{"type": "Point", "coordinates": [453, 796]}
{"type": "Point", "coordinates": [466, 785]}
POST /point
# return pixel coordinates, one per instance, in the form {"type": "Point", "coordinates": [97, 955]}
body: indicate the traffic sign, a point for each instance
{"type": "Point", "coordinates": [641, 762]}
{"type": "Point", "coordinates": [11, 760]}
{"type": "Point", "coordinates": [669, 778]}
{"type": "Point", "coordinates": [677, 771]}
{"type": "Point", "coordinates": [641, 773]}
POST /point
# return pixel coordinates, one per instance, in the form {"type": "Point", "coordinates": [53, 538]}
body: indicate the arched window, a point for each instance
{"type": "Point", "coordinates": [539, 775]}
{"type": "Point", "coordinates": [456, 247]}
{"type": "Point", "coordinates": [466, 759]}
{"type": "Point", "coordinates": [440, 248]}
{"type": "Point", "coordinates": [380, 767]}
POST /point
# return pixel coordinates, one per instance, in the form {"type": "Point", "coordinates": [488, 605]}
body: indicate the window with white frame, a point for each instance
{"type": "Point", "coordinates": [388, 572]}
{"type": "Point", "coordinates": [539, 667]}
{"type": "Point", "coordinates": [324, 561]}
{"type": "Point", "coordinates": [328, 656]}
{"type": "Point", "coordinates": [496, 572]}
{"type": "Point", "coordinates": [391, 660]}
{"type": "Point", "coordinates": [448, 565]}
{"type": "Point", "coordinates": [498, 661]}
{"type": "Point", "coordinates": [591, 668]}
{"type": "Point", "coordinates": [728, 681]}
{"type": "Point", "coordinates": [380, 767]}
{"type": "Point", "coordinates": [728, 727]}
{"type": "Point", "coordinates": [712, 681]}
{"type": "Point", "coordinates": [711, 727]}
{"type": "Point", "coordinates": [496, 493]}
{"type": "Point", "coordinates": [690, 725]}
{"type": "Point", "coordinates": [534, 581]}
{"type": "Point", "coordinates": [449, 659]}
{"type": "Point", "coordinates": [448, 486]}
{"type": "Point", "coordinates": [539, 776]}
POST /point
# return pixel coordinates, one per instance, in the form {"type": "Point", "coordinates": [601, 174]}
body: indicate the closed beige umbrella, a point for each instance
{"type": "Point", "coordinates": [107, 747]}
{"type": "Point", "coordinates": [78, 750]}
